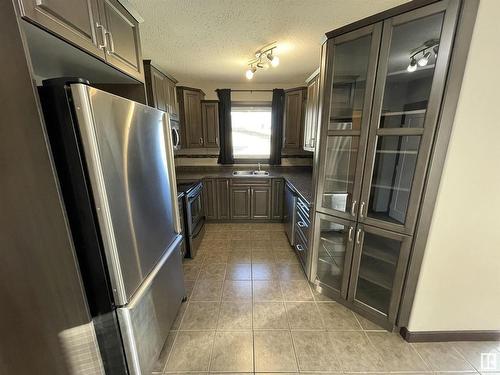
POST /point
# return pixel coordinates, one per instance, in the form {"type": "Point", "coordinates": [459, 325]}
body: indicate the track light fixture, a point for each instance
{"type": "Point", "coordinates": [421, 56]}
{"type": "Point", "coordinates": [263, 58]}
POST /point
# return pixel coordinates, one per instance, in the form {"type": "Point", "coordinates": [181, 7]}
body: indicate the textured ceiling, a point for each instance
{"type": "Point", "coordinates": [212, 40]}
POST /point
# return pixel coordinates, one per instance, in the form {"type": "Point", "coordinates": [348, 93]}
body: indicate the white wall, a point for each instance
{"type": "Point", "coordinates": [459, 285]}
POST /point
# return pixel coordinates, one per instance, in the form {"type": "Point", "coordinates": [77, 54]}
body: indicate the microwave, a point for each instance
{"type": "Point", "coordinates": [176, 136]}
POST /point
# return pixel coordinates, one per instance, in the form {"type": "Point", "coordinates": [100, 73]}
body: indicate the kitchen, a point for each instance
{"type": "Point", "coordinates": [214, 187]}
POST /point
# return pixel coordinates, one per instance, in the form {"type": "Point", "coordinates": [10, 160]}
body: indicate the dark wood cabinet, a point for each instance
{"type": "Point", "coordinates": [277, 199]}
{"type": "Point", "coordinates": [76, 21]}
{"type": "Point", "coordinates": [293, 120]}
{"type": "Point", "coordinates": [210, 198]}
{"type": "Point", "coordinates": [190, 116]}
{"type": "Point", "coordinates": [261, 203]}
{"type": "Point", "coordinates": [210, 122]}
{"type": "Point", "coordinates": [240, 203]}
{"type": "Point", "coordinates": [122, 38]}
{"type": "Point", "coordinates": [223, 205]}
{"type": "Point", "coordinates": [312, 111]}
{"type": "Point", "coordinates": [103, 28]}
{"type": "Point", "coordinates": [160, 89]}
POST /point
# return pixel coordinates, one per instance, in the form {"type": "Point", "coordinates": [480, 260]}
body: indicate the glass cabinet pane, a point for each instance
{"type": "Point", "coordinates": [332, 250]}
{"type": "Point", "coordinates": [412, 57]}
{"type": "Point", "coordinates": [340, 170]}
{"type": "Point", "coordinates": [350, 69]}
{"type": "Point", "coordinates": [392, 177]}
{"type": "Point", "coordinates": [377, 269]}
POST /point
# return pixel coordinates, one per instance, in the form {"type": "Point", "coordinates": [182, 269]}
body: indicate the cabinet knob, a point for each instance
{"type": "Point", "coordinates": [201, 140]}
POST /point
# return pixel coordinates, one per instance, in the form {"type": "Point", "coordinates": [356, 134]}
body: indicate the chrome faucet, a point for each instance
{"type": "Point", "coordinates": [259, 167]}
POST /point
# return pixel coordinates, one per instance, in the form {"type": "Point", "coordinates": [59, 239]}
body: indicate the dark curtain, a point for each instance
{"type": "Point", "coordinates": [225, 136]}
{"type": "Point", "coordinates": [277, 126]}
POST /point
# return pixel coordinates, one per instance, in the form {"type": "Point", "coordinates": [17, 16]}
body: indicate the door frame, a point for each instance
{"type": "Point", "coordinates": [375, 31]}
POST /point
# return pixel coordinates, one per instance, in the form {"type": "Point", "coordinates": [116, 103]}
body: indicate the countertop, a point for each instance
{"type": "Point", "coordinates": [300, 178]}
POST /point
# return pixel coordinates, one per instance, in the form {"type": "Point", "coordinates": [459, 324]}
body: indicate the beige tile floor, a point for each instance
{"type": "Point", "coordinates": [251, 310]}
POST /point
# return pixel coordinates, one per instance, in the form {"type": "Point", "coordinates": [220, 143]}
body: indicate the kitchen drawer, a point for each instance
{"type": "Point", "coordinates": [300, 248]}
{"type": "Point", "coordinates": [302, 224]}
{"type": "Point", "coordinates": [250, 181]}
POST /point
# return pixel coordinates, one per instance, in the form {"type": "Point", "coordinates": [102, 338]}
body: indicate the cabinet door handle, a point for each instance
{"type": "Point", "coordinates": [349, 236]}
{"type": "Point", "coordinates": [358, 236]}
{"type": "Point", "coordinates": [301, 224]}
{"type": "Point", "coordinates": [201, 140]}
{"type": "Point", "coordinates": [353, 208]}
{"type": "Point", "coordinates": [104, 43]}
{"type": "Point", "coordinates": [361, 209]}
{"type": "Point", "coordinates": [299, 247]}
{"type": "Point", "coordinates": [111, 43]}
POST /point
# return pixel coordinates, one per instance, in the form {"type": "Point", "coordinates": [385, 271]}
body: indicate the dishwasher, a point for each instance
{"type": "Point", "coordinates": [289, 214]}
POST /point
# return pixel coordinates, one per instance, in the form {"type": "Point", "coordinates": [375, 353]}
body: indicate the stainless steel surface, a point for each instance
{"type": "Point", "coordinates": [250, 173]}
{"type": "Point", "coordinates": [289, 214]}
{"type": "Point", "coordinates": [128, 167]}
{"type": "Point", "coordinates": [169, 151]}
{"type": "Point", "coordinates": [195, 239]}
{"type": "Point", "coordinates": [147, 319]}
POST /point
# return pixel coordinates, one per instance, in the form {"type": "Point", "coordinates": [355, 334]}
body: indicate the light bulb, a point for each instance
{"type": "Point", "coordinates": [423, 61]}
{"type": "Point", "coordinates": [275, 61]}
{"type": "Point", "coordinates": [412, 66]}
{"type": "Point", "coordinates": [249, 74]}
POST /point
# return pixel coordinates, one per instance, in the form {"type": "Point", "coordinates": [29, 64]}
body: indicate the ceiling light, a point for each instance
{"type": "Point", "coordinates": [424, 60]}
{"type": "Point", "coordinates": [275, 60]}
{"type": "Point", "coordinates": [412, 66]}
{"type": "Point", "coordinates": [249, 73]}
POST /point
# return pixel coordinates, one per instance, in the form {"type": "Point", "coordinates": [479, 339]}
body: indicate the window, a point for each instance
{"type": "Point", "coordinates": [251, 131]}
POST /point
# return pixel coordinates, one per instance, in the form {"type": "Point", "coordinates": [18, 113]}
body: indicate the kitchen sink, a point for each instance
{"type": "Point", "coordinates": [250, 173]}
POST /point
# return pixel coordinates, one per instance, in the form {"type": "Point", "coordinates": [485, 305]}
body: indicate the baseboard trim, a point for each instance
{"type": "Point", "coordinates": [436, 336]}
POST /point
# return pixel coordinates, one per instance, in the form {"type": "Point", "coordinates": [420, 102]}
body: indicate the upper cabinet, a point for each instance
{"type": "Point", "coordinates": [103, 28]}
{"type": "Point", "coordinates": [199, 119]}
{"type": "Point", "coordinates": [312, 108]}
{"type": "Point", "coordinates": [123, 46]}
{"type": "Point", "coordinates": [160, 89]}
{"type": "Point", "coordinates": [190, 116]}
{"type": "Point", "coordinates": [210, 123]}
{"type": "Point", "coordinates": [293, 119]}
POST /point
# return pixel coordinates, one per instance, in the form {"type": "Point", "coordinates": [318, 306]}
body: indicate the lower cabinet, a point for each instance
{"type": "Point", "coordinates": [222, 187]}
{"type": "Point", "coordinates": [378, 265]}
{"type": "Point", "coordinates": [243, 199]}
{"type": "Point", "coordinates": [278, 193]}
{"type": "Point", "coordinates": [361, 264]}
{"type": "Point", "coordinates": [240, 203]}
{"type": "Point", "coordinates": [210, 198]}
{"type": "Point", "coordinates": [261, 203]}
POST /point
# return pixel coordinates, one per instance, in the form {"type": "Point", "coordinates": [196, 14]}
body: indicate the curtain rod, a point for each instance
{"type": "Point", "coordinates": [251, 90]}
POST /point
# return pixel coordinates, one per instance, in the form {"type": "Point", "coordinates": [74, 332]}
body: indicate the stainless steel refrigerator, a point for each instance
{"type": "Point", "coordinates": [114, 161]}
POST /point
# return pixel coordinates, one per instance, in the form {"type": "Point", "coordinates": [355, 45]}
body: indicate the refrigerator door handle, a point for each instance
{"type": "Point", "coordinates": [171, 171]}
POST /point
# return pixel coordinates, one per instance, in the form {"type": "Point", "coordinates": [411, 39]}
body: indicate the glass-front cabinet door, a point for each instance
{"type": "Point", "coordinates": [411, 73]}
{"type": "Point", "coordinates": [378, 266]}
{"type": "Point", "coordinates": [349, 82]}
{"type": "Point", "coordinates": [335, 240]}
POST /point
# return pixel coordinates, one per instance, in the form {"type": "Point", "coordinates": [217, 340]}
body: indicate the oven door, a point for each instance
{"type": "Point", "coordinates": [195, 212]}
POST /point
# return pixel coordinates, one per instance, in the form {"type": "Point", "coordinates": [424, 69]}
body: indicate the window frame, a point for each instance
{"type": "Point", "coordinates": [251, 104]}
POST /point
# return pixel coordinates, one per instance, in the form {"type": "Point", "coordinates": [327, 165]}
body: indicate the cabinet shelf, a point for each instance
{"type": "Point", "coordinates": [388, 187]}
{"type": "Point", "coordinates": [373, 296]}
{"type": "Point", "coordinates": [380, 255]}
{"type": "Point", "coordinates": [376, 276]}
{"type": "Point", "coordinates": [405, 113]}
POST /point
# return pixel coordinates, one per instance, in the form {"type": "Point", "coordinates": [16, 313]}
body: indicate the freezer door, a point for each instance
{"type": "Point", "coordinates": [134, 191]}
{"type": "Point", "coordinates": [147, 319]}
